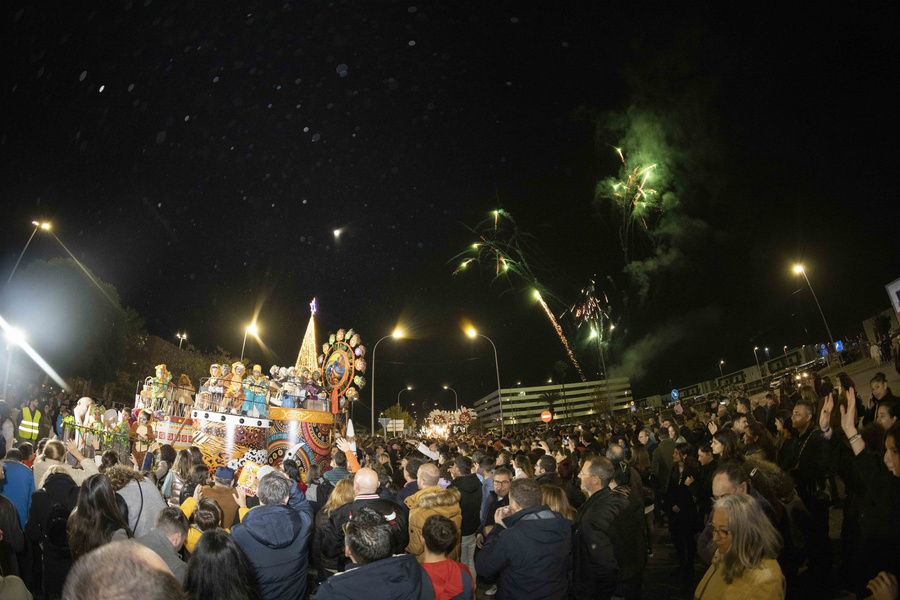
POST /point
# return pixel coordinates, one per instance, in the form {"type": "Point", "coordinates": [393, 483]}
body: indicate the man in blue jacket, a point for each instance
{"type": "Point", "coordinates": [529, 549]}
{"type": "Point", "coordinates": [274, 536]}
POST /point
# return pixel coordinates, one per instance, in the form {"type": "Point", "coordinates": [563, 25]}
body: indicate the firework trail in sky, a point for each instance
{"type": "Point", "coordinates": [635, 200]}
{"type": "Point", "coordinates": [505, 250]}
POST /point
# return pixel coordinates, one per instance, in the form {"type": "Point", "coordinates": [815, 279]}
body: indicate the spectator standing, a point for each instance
{"type": "Point", "coordinates": [97, 519]}
{"type": "Point", "coordinates": [343, 494]}
{"type": "Point", "coordinates": [431, 499]}
{"type": "Point", "coordinates": [469, 486]}
{"type": "Point", "coordinates": [747, 544]}
{"type": "Point", "coordinates": [529, 549]}
{"type": "Point", "coordinates": [338, 468]}
{"type": "Point", "coordinates": [450, 579]}
{"type": "Point", "coordinates": [219, 568]}
{"type": "Point", "coordinates": [606, 557]}
{"type": "Point", "coordinates": [365, 485]}
{"type": "Point", "coordinates": [167, 538]}
{"type": "Point", "coordinates": [379, 575]}
{"type": "Point", "coordinates": [17, 483]}
{"type": "Point", "coordinates": [275, 538]}
{"type": "Point", "coordinates": [143, 499]}
{"type": "Point", "coordinates": [222, 491]}
{"type": "Point", "coordinates": [661, 467]}
{"type": "Point", "coordinates": [51, 505]}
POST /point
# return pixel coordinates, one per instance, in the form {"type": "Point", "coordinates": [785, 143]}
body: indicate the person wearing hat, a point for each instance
{"type": "Point", "coordinates": [256, 387]}
{"type": "Point", "coordinates": [222, 491]}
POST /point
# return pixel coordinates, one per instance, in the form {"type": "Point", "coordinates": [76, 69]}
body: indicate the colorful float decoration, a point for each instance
{"type": "Point", "coordinates": [465, 416]}
{"type": "Point", "coordinates": [342, 365]}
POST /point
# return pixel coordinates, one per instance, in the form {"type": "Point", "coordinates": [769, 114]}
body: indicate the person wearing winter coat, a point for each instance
{"type": "Point", "coordinates": [529, 549]}
{"type": "Point", "coordinates": [607, 556]}
{"type": "Point", "coordinates": [275, 537]}
{"type": "Point", "coordinates": [379, 574]}
{"type": "Point", "coordinates": [365, 485]}
{"type": "Point", "coordinates": [46, 527]}
{"type": "Point", "coordinates": [469, 486]}
{"type": "Point", "coordinates": [54, 455]}
{"type": "Point", "coordinates": [143, 499]}
{"type": "Point", "coordinates": [431, 499]}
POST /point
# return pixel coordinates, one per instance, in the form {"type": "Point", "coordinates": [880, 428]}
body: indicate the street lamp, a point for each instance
{"type": "Point", "coordinates": [721, 362]}
{"type": "Point", "coordinates": [785, 349]}
{"type": "Point", "coordinates": [252, 330]}
{"type": "Point", "coordinates": [398, 333]}
{"type": "Point", "coordinates": [407, 388]}
{"type": "Point", "coordinates": [14, 337]}
{"type": "Point", "coordinates": [755, 348]}
{"type": "Point", "coordinates": [455, 397]}
{"type": "Point", "coordinates": [181, 337]}
{"type": "Point", "coordinates": [473, 334]}
{"type": "Point", "coordinates": [45, 227]}
{"type": "Point", "coordinates": [798, 269]}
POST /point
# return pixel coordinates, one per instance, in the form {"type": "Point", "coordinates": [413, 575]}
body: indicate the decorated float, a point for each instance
{"type": "Point", "coordinates": [240, 416]}
{"type": "Point", "coordinates": [441, 423]}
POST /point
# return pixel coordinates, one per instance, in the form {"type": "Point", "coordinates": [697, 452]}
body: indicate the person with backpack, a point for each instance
{"type": "Point", "coordinates": [451, 580]}
{"type": "Point", "coordinates": [51, 505]}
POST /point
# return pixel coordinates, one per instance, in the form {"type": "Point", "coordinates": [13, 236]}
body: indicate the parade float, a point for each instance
{"type": "Point", "coordinates": [441, 423]}
{"type": "Point", "coordinates": [239, 418]}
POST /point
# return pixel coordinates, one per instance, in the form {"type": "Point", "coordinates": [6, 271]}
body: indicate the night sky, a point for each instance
{"type": "Point", "coordinates": [199, 159]}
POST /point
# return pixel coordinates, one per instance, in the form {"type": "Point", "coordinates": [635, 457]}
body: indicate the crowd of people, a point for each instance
{"type": "Point", "coordinates": [744, 489]}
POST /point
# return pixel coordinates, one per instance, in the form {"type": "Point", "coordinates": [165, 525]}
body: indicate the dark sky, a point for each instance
{"type": "Point", "coordinates": [199, 160]}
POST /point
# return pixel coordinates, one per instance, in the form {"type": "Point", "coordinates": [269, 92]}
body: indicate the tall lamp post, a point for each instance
{"type": "Point", "coordinates": [14, 337]}
{"type": "Point", "coordinates": [721, 374]}
{"type": "Point", "coordinates": [251, 329]}
{"type": "Point", "coordinates": [472, 334]}
{"type": "Point", "coordinates": [398, 333]}
{"type": "Point", "coordinates": [406, 389]}
{"type": "Point", "coordinates": [755, 348]}
{"type": "Point", "coordinates": [798, 269]}
{"type": "Point", "coordinates": [45, 227]}
{"type": "Point", "coordinates": [181, 337]}
{"type": "Point", "coordinates": [455, 397]}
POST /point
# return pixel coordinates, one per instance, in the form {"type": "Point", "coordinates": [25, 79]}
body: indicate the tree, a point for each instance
{"type": "Point", "coordinates": [73, 320]}
{"type": "Point", "coordinates": [601, 402]}
{"type": "Point", "coordinates": [395, 411]}
{"type": "Point", "coordinates": [549, 399]}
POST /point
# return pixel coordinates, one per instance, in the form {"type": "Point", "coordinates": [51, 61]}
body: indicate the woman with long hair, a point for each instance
{"type": "Point", "coordinates": [292, 470]}
{"type": "Point", "coordinates": [218, 568]}
{"type": "Point", "coordinates": [554, 497]}
{"type": "Point", "coordinates": [524, 470]}
{"type": "Point", "coordinates": [343, 494]}
{"type": "Point", "coordinates": [177, 477]}
{"type": "Point", "coordinates": [747, 546]}
{"type": "Point", "coordinates": [315, 477]}
{"type": "Point", "coordinates": [725, 445]}
{"type": "Point", "coordinates": [758, 443]}
{"type": "Point", "coordinates": [681, 506]}
{"type": "Point", "coordinates": [199, 478]}
{"type": "Point", "coordinates": [97, 519]}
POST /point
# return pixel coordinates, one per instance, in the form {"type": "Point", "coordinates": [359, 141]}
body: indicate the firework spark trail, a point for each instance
{"type": "Point", "coordinates": [559, 332]}
{"type": "Point", "coordinates": [631, 195]}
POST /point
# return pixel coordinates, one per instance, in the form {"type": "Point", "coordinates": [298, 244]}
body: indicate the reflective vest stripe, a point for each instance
{"type": "Point", "coordinates": [28, 428]}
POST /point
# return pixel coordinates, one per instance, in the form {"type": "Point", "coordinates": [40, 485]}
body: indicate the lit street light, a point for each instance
{"type": "Point", "coordinates": [473, 334]}
{"type": "Point", "coordinates": [252, 330]}
{"type": "Point", "coordinates": [721, 362]}
{"type": "Point", "coordinates": [407, 388]}
{"type": "Point", "coordinates": [755, 348]}
{"type": "Point", "coordinates": [45, 227]}
{"type": "Point", "coordinates": [798, 269]}
{"type": "Point", "coordinates": [455, 397]}
{"type": "Point", "coordinates": [785, 349]}
{"type": "Point", "coordinates": [181, 337]}
{"type": "Point", "coordinates": [398, 333]}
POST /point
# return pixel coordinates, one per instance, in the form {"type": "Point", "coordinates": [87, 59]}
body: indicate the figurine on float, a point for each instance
{"type": "Point", "coordinates": [288, 379]}
{"type": "Point", "coordinates": [212, 395]}
{"type": "Point", "coordinates": [256, 393]}
{"type": "Point", "coordinates": [184, 393]}
{"type": "Point", "coordinates": [159, 386]}
{"type": "Point", "coordinates": [234, 388]}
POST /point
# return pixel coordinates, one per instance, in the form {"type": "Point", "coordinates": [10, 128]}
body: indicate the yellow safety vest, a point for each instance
{"type": "Point", "coordinates": [28, 428]}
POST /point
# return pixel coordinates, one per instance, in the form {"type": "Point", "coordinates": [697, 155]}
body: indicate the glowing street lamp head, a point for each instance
{"type": "Point", "coordinates": [252, 329]}
{"type": "Point", "coordinates": [798, 269]}
{"type": "Point", "coordinates": [594, 333]}
{"type": "Point", "coordinates": [446, 386]}
{"type": "Point", "coordinates": [15, 336]}
{"type": "Point", "coordinates": [471, 332]}
{"type": "Point", "coordinates": [755, 348]}
{"type": "Point", "coordinates": [398, 333]}
{"type": "Point", "coordinates": [611, 326]}
{"type": "Point", "coordinates": [409, 387]}
{"type": "Point", "coordinates": [721, 362]}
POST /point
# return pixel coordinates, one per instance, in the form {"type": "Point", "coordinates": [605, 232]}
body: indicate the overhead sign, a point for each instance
{"type": "Point", "coordinates": [546, 416]}
{"type": "Point", "coordinates": [674, 394]}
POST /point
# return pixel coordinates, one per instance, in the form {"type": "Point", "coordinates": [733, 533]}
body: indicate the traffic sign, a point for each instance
{"type": "Point", "coordinates": [546, 416]}
{"type": "Point", "coordinates": [838, 346]}
{"type": "Point", "coordinates": [674, 394]}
